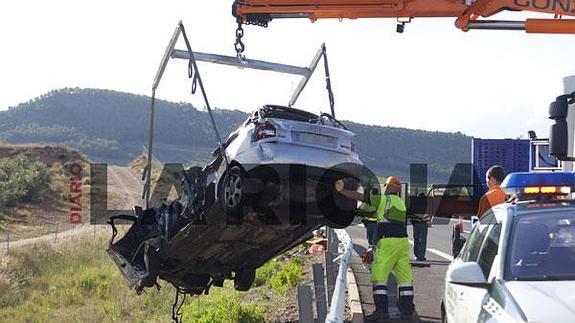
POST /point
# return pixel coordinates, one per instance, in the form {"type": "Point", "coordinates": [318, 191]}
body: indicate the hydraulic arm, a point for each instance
{"type": "Point", "coordinates": [466, 12]}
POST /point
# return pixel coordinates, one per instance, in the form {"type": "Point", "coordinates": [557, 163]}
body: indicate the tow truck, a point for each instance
{"type": "Point", "coordinates": [466, 12]}
{"type": "Point", "coordinates": [518, 257]}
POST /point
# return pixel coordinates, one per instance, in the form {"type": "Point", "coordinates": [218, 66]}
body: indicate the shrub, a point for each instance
{"type": "Point", "coordinates": [289, 276]}
{"type": "Point", "coordinates": [266, 272]}
{"type": "Point", "coordinates": [22, 180]}
{"type": "Point", "coordinates": [280, 276]}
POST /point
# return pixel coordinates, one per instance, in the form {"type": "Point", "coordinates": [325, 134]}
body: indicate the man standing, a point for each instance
{"type": "Point", "coordinates": [392, 251]}
{"type": "Point", "coordinates": [494, 176]}
{"type": "Point", "coordinates": [420, 224]}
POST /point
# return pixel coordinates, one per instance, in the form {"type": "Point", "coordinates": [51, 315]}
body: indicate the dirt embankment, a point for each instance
{"type": "Point", "coordinates": [47, 154]}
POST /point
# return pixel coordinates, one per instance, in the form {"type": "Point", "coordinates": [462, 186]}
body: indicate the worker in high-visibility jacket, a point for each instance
{"type": "Point", "coordinates": [392, 251]}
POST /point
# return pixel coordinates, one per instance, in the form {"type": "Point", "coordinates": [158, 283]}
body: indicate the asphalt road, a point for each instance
{"type": "Point", "coordinates": [428, 281]}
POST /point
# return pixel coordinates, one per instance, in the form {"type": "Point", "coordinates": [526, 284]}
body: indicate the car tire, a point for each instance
{"type": "Point", "coordinates": [233, 195]}
{"type": "Point", "coordinates": [244, 279]}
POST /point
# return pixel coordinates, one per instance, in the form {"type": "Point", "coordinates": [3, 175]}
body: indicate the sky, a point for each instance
{"type": "Point", "coordinates": [489, 84]}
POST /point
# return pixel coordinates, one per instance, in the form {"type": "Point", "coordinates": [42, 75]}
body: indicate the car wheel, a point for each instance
{"type": "Point", "coordinates": [233, 194]}
{"type": "Point", "coordinates": [243, 279]}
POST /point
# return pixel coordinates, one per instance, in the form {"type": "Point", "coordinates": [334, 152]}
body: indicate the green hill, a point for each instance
{"type": "Point", "coordinates": [112, 127]}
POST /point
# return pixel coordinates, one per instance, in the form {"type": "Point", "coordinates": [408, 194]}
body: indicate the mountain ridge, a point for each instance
{"type": "Point", "coordinates": [111, 126]}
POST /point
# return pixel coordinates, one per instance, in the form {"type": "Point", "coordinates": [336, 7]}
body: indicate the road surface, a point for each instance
{"type": "Point", "coordinates": [428, 281]}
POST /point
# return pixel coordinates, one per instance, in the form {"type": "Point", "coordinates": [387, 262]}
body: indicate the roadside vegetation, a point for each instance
{"type": "Point", "coordinates": [22, 180]}
{"type": "Point", "coordinates": [72, 281]}
{"type": "Point", "coordinates": [75, 281]}
{"type": "Point", "coordinates": [35, 188]}
{"type": "Point", "coordinates": [223, 305]}
{"type": "Point", "coordinates": [273, 282]}
{"type": "Point", "coordinates": [279, 275]}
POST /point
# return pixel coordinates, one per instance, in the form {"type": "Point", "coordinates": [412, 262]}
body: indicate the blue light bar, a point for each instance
{"type": "Point", "coordinates": [524, 179]}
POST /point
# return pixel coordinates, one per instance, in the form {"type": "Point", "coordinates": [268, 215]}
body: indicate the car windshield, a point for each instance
{"type": "Point", "coordinates": [542, 247]}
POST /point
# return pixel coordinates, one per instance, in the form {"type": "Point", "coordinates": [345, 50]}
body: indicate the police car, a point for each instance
{"type": "Point", "coordinates": [518, 264]}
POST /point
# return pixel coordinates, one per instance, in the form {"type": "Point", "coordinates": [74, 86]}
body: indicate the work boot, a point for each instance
{"type": "Point", "coordinates": [381, 312]}
{"type": "Point", "coordinates": [376, 316]}
{"type": "Point", "coordinates": [406, 306]}
{"type": "Point", "coordinates": [406, 317]}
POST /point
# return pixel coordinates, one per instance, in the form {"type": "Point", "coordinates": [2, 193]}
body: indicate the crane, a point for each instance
{"type": "Point", "coordinates": [466, 12]}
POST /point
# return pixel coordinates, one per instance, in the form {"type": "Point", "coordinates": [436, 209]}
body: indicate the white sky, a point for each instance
{"type": "Point", "coordinates": [484, 83]}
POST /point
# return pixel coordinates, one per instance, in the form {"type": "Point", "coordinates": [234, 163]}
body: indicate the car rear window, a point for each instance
{"type": "Point", "coordinates": [280, 112]}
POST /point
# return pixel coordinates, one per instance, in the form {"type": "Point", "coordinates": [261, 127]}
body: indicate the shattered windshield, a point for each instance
{"type": "Point", "coordinates": [542, 247]}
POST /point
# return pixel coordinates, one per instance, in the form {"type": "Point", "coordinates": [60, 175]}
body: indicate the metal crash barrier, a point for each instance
{"type": "Point", "coordinates": [337, 307]}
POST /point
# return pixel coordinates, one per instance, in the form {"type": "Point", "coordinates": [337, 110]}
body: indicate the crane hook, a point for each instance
{"type": "Point", "coordinates": [239, 45]}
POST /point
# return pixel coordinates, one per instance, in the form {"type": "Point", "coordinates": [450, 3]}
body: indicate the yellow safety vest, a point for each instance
{"type": "Point", "coordinates": [390, 208]}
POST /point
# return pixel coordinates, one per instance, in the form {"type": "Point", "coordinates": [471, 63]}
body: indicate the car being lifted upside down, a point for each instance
{"type": "Point", "coordinates": [271, 189]}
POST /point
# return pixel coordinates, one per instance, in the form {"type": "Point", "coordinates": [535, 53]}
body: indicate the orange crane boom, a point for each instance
{"type": "Point", "coordinates": [466, 12]}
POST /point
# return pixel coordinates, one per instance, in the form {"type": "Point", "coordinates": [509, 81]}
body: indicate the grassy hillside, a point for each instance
{"type": "Point", "coordinates": [111, 127]}
{"type": "Point", "coordinates": [75, 281]}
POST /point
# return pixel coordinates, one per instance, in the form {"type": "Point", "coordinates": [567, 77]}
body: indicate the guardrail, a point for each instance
{"type": "Point", "coordinates": [337, 306]}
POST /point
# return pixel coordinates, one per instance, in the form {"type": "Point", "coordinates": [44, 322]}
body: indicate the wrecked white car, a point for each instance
{"type": "Point", "coordinates": [275, 189]}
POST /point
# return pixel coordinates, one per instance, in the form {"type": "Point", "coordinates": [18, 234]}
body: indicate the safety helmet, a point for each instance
{"type": "Point", "coordinates": [393, 181]}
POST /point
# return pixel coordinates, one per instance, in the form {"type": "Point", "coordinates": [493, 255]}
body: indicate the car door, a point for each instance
{"type": "Point", "coordinates": [473, 297]}
{"type": "Point", "coordinates": [455, 302]}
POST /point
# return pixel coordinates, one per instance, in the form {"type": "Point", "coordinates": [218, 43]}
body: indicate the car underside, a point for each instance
{"type": "Point", "coordinates": [198, 240]}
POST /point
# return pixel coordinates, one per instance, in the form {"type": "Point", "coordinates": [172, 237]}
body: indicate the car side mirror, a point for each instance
{"type": "Point", "coordinates": [467, 274]}
{"type": "Point", "coordinates": [558, 134]}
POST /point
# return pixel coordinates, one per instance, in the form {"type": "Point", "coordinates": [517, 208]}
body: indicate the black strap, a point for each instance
{"type": "Point", "coordinates": [177, 306]}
